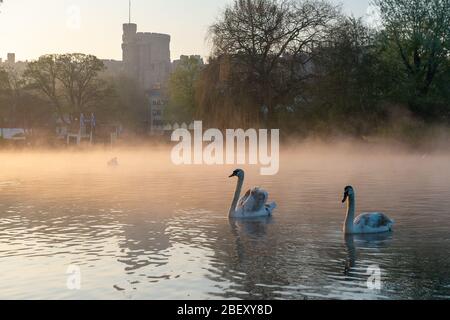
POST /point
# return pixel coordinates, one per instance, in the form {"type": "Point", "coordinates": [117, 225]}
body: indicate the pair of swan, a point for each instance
{"type": "Point", "coordinates": [254, 205]}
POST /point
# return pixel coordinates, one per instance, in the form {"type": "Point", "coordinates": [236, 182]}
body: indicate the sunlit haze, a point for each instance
{"type": "Point", "coordinates": [33, 28]}
{"type": "Point", "coordinates": [224, 150]}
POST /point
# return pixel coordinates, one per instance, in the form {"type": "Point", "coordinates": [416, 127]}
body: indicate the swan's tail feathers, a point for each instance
{"type": "Point", "coordinates": [392, 224]}
{"type": "Point", "coordinates": [271, 207]}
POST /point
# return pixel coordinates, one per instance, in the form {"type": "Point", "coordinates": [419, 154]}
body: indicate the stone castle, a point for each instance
{"type": "Point", "coordinates": [145, 56]}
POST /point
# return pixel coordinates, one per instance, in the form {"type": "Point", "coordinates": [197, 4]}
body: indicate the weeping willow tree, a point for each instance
{"type": "Point", "coordinates": [224, 98]}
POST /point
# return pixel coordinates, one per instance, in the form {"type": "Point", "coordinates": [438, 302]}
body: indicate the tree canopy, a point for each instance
{"type": "Point", "coordinates": [182, 90]}
{"type": "Point", "coordinates": [70, 82]}
{"type": "Point", "coordinates": [270, 38]}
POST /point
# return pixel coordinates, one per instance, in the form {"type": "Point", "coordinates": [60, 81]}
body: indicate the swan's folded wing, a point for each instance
{"type": "Point", "coordinates": [260, 198]}
{"type": "Point", "coordinates": [244, 202]}
{"type": "Point", "coordinates": [374, 220]}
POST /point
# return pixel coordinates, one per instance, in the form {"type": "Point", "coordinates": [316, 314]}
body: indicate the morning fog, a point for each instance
{"type": "Point", "coordinates": [212, 148]}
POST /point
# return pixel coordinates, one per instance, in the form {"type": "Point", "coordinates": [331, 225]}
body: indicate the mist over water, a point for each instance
{"type": "Point", "coordinates": [150, 230]}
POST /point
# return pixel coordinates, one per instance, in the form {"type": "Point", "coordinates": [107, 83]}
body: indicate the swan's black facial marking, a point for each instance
{"type": "Point", "coordinates": [236, 173]}
{"type": "Point", "coordinates": [349, 191]}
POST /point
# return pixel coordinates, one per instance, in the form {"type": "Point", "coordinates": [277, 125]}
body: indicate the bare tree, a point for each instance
{"type": "Point", "coordinates": [270, 42]}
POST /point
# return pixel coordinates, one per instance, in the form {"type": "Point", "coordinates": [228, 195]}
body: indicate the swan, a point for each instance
{"type": "Point", "coordinates": [253, 204]}
{"type": "Point", "coordinates": [366, 223]}
{"type": "Point", "coordinates": [114, 162]}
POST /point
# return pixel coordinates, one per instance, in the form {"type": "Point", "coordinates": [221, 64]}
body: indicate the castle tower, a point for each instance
{"type": "Point", "coordinates": [129, 50]}
{"type": "Point", "coordinates": [146, 56]}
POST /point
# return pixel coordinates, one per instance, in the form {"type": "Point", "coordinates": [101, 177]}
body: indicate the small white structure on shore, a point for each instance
{"type": "Point", "coordinates": [85, 130]}
{"type": "Point", "coordinates": [168, 128]}
{"type": "Point", "coordinates": [12, 134]}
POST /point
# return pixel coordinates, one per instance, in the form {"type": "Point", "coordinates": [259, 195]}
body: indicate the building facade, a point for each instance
{"type": "Point", "coordinates": [157, 103]}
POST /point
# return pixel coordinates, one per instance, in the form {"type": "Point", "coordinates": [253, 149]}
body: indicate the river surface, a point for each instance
{"type": "Point", "coordinates": [150, 230]}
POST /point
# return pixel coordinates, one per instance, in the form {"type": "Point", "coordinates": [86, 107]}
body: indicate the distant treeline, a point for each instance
{"type": "Point", "coordinates": [299, 65]}
{"type": "Point", "coordinates": [307, 68]}
{"type": "Point", "coordinates": [57, 88]}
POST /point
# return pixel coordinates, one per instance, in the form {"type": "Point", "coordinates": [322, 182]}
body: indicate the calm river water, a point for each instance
{"type": "Point", "coordinates": [150, 230]}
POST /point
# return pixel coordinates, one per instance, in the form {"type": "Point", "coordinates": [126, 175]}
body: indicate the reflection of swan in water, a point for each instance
{"type": "Point", "coordinates": [249, 235]}
{"type": "Point", "coordinates": [248, 260]}
{"type": "Point", "coordinates": [371, 241]}
{"type": "Point", "coordinates": [366, 223]}
{"type": "Point", "coordinates": [254, 228]}
{"type": "Point", "coordinates": [251, 240]}
{"type": "Point", "coordinates": [253, 204]}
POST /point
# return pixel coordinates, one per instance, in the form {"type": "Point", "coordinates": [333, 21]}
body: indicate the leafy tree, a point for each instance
{"type": "Point", "coordinates": [4, 93]}
{"type": "Point", "coordinates": [182, 90]}
{"type": "Point", "coordinates": [126, 104]}
{"type": "Point", "coordinates": [417, 38]}
{"type": "Point", "coordinates": [18, 106]}
{"type": "Point", "coordinates": [70, 82]}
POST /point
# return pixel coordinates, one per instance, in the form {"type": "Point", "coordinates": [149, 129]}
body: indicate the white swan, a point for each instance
{"type": "Point", "coordinates": [366, 223]}
{"type": "Point", "coordinates": [253, 204]}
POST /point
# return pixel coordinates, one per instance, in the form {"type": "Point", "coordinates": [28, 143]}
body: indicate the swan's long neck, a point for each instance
{"type": "Point", "coordinates": [237, 194]}
{"type": "Point", "coordinates": [350, 218]}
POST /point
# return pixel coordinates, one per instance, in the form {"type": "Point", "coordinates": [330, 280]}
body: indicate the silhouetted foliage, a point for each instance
{"type": "Point", "coordinates": [307, 68]}
{"type": "Point", "coordinates": [416, 37]}
{"type": "Point", "coordinates": [182, 90]}
{"type": "Point", "coordinates": [299, 65]}
{"type": "Point", "coordinates": [270, 44]}
{"type": "Point", "coordinates": [19, 107]}
{"type": "Point", "coordinates": [126, 104]}
{"type": "Point", "coordinates": [70, 82]}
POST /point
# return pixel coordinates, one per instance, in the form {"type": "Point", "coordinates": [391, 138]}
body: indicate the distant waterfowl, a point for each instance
{"type": "Point", "coordinates": [366, 223]}
{"type": "Point", "coordinates": [253, 204]}
{"type": "Point", "coordinates": [114, 162]}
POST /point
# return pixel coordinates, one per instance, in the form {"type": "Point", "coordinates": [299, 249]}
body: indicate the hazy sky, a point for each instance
{"type": "Point", "coordinates": [31, 28]}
